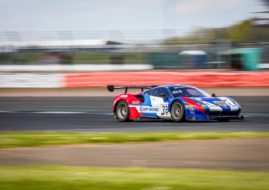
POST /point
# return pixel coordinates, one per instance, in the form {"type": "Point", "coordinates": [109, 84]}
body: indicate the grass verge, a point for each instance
{"type": "Point", "coordinates": [66, 177]}
{"type": "Point", "coordinates": [24, 139]}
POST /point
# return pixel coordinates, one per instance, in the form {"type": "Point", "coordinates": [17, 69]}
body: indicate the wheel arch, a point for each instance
{"type": "Point", "coordinates": [176, 99]}
{"type": "Point", "coordinates": [184, 108]}
{"type": "Point", "coordinates": [116, 102]}
{"type": "Point", "coordinates": [129, 99]}
{"type": "Point", "coordinates": [125, 117]}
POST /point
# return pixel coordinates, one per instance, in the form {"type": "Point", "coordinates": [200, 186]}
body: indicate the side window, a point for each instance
{"type": "Point", "coordinates": [160, 92]}
{"type": "Point", "coordinates": [149, 92]}
{"type": "Point", "coordinates": [155, 92]}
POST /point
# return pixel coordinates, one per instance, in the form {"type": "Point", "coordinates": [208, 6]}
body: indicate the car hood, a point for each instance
{"type": "Point", "coordinates": [218, 103]}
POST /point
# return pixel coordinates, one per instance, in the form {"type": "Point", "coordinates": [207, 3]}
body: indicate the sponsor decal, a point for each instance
{"type": "Point", "coordinates": [221, 103]}
{"type": "Point", "coordinates": [149, 109]}
{"type": "Point", "coordinates": [189, 106]}
{"type": "Point", "coordinates": [177, 91]}
{"type": "Point", "coordinates": [193, 118]}
{"type": "Point", "coordinates": [124, 96]}
{"type": "Point", "coordinates": [229, 103]}
{"type": "Point", "coordinates": [212, 107]}
{"type": "Point", "coordinates": [135, 102]}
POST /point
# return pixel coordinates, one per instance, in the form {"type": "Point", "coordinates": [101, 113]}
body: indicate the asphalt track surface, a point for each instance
{"type": "Point", "coordinates": [93, 114]}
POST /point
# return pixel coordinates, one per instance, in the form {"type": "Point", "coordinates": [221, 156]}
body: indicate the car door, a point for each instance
{"type": "Point", "coordinates": [156, 103]}
{"type": "Point", "coordinates": [146, 107]}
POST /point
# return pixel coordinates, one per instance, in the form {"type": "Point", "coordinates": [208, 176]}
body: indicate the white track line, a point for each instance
{"type": "Point", "coordinates": [56, 112]}
{"type": "Point", "coordinates": [59, 112]}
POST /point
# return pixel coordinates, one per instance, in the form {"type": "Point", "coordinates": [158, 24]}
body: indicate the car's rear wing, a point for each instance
{"type": "Point", "coordinates": [111, 88]}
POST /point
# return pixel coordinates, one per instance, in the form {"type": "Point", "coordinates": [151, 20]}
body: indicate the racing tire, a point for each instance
{"type": "Point", "coordinates": [223, 119]}
{"type": "Point", "coordinates": [122, 111]}
{"type": "Point", "coordinates": [177, 111]}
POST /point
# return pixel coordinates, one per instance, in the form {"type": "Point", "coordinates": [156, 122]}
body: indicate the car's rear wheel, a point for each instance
{"type": "Point", "coordinates": [122, 111]}
{"type": "Point", "coordinates": [177, 111]}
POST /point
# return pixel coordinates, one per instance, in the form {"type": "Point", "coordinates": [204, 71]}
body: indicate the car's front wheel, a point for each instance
{"type": "Point", "coordinates": [177, 111]}
{"type": "Point", "coordinates": [122, 111]}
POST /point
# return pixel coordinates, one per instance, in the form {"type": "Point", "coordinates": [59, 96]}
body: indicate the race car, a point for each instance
{"type": "Point", "coordinates": [172, 102]}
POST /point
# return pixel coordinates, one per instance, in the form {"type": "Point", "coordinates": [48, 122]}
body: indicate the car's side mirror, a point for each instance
{"type": "Point", "coordinates": [213, 95]}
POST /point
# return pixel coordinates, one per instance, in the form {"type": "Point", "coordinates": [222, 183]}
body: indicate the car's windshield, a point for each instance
{"type": "Point", "coordinates": [179, 91]}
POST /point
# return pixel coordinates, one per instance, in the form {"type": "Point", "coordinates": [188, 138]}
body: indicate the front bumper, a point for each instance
{"type": "Point", "coordinates": [222, 114]}
{"type": "Point", "coordinates": [212, 115]}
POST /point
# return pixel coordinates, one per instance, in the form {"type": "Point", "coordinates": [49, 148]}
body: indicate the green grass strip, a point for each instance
{"type": "Point", "coordinates": [24, 139]}
{"type": "Point", "coordinates": [70, 177]}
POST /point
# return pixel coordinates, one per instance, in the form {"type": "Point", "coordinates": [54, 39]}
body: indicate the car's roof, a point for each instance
{"type": "Point", "coordinates": [169, 86]}
{"type": "Point", "coordinates": [174, 85]}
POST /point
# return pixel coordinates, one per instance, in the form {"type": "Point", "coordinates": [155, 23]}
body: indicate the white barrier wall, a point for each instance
{"type": "Point", "coordinates": [31, 80]}
{"type": "Point", "coordinates": [101, 79]}
{"type": "Point", "coordinates": [73, 68]}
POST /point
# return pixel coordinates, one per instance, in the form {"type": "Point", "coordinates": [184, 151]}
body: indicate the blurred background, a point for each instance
{"type": "Point", "coordinates": [58, 56]}
{"type": "Point", "coordinates": [151, 34]}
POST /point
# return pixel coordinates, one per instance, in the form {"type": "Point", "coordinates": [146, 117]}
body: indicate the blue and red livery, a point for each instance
{"type": "Point", "coordinates": [173, 102]}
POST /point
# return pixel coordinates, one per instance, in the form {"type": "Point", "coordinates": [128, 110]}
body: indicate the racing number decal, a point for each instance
{"type": "Point", "coordinates": [160, 108]}
{"type": "Point", "coordinates": [164, 110]}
